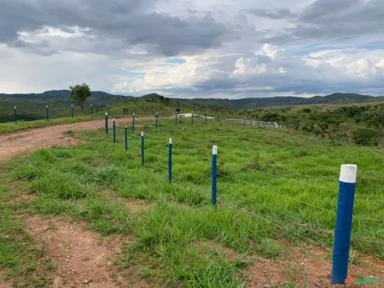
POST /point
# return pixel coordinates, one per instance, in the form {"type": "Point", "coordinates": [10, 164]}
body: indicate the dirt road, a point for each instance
{"type": "Point", "coordinates": [19, 142]}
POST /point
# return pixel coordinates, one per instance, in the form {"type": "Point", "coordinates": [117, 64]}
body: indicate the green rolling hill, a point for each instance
{"type": "Point", "coordinates": [32, 106]}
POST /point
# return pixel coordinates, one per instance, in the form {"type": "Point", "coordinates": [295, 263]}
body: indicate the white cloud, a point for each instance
{"type": "Point", "coordinates": [23, 71]}
{"type": "Point", "coordinates": [380, 64]}
{"type": "Point", "coordinates": [245, 66]}
{"type": "Point", "coordinates": [160, 75]}
{"type": "Point", "coordinates": [271, 51]}
{"type": "Point", "coordinates": [361, 68]}
{"type": "Point", "coordinates": [49, 32]}
{"type": "Point", "coordinates": [354, 63]}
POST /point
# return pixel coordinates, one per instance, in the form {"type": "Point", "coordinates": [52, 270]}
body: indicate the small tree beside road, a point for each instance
{"type": "Point", "coordinates": [79, 94]}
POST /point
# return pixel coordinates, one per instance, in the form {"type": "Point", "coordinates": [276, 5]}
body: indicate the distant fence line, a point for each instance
{"type": "Point", "coordinates": [16, 116]}
{"type": "Point", "coordinates": [258, 123]}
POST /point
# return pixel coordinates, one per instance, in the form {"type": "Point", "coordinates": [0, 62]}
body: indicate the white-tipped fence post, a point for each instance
{"type": "Point", "coordinates": [106, 122]}
{"type": "Point", "coordinates": [214, 175]}
{"type": "Point", "coordinates": [126, 138]}
{"type": "Point", "coordinates": [15, 114]}
{"type": "Point", "coordinates": [170, 160]}
{"type": "Point", "coordinates": [133, 122]}
{"type": "Point", "coordinates": [142, 148]}
{"type": "Point", "coordinates": [347, 183]}
{"type": "Point", "coordinates": [114, 130]}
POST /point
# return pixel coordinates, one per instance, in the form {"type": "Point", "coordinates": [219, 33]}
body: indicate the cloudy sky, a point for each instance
{"type": "Point", "coordinates": [193, 48]}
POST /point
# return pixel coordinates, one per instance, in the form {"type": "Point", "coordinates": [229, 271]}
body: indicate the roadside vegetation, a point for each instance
{"type": "Point", "coordinates": [361, 124]}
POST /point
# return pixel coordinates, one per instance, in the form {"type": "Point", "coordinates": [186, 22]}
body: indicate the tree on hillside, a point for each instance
{"type": "Point", "coordinates": [80, 93]}
{"type": "Point", "coordinates": [325, 123]}
{"type": "Point", "coordinates": [292, 123]}
{"type": "Point", "coordinates": [354, 112]}
{"type": "Point", "coordinates": [375, 118]}
{"type": "Point", "coordinates": [273, 117]}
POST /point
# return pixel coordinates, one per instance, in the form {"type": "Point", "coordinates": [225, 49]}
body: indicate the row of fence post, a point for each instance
{"type": "Point", "coordinates": [170, 148]}
{"type": "Point", "coordinates": [46, 116]}
{"type": "Point", "coordinates": [345, 204]}
{"type": "Point", "coordinates": [205, 117]}
{"type": "Point", "coordinates": [344, 212]}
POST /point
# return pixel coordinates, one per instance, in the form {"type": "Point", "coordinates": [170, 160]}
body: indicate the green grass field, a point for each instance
{"type": "Point", "coordinates": [275, 190]}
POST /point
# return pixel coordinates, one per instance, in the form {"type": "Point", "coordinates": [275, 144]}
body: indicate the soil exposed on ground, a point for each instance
{"type": "Point", "coordinates": [81, 258]}
{"type": "Point", "coordinates": [308, 266]}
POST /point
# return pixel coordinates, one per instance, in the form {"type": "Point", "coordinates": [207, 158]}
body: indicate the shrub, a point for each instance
{"type": "Point", "coordinates": [364, 136]}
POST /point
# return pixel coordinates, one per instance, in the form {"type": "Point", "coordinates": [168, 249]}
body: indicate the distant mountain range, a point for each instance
{"type": "Point", "coordinates": [61, 97]}
{"type": "Point", "coordinates": [97, 97]}
{"type": "Point", "coordinates": [251, 103]}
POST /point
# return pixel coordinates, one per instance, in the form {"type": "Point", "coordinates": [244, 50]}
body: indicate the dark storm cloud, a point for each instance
{"type": "Point", "coordinates": [338, 19]}
{"type": "Point", "coordinates": [273, 14]}
{"type": "Point", "coordinates": [42, 48]}
{"type": "Point", "coordinates": [127, 22]}
{"type": "Point", "coordinates": [357, 22]}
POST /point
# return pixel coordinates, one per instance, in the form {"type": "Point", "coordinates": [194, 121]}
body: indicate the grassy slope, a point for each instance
{"type": "Point", "coordinates": [286, 183]}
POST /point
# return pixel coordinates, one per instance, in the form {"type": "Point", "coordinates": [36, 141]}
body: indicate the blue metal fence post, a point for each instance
{"type": "Point", "coordinates": [347, 183]}
{"type": "Point", "coordinates": [133, 122]}
{"type": "Point", "coordinates": [170, 160]}
{"type": "Point", "coordinates": [46, 112]}
{"type": "Point", "coordinates": [126, 137]}
{"type": "Point", "coordinates": [106, 122]}
{"type": "Point", "coordinates": [114, 130]}
{"type": "Point", "coordinates": [214, 175]}
{"type": "Point", "coordinates": [157, 120]}
{"type": "Point", "coordinates": [72, 112]}
{"type": "Point", "coordinates": [142, 148]}
{"type": "Point", "coordinates": [15, 114]}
